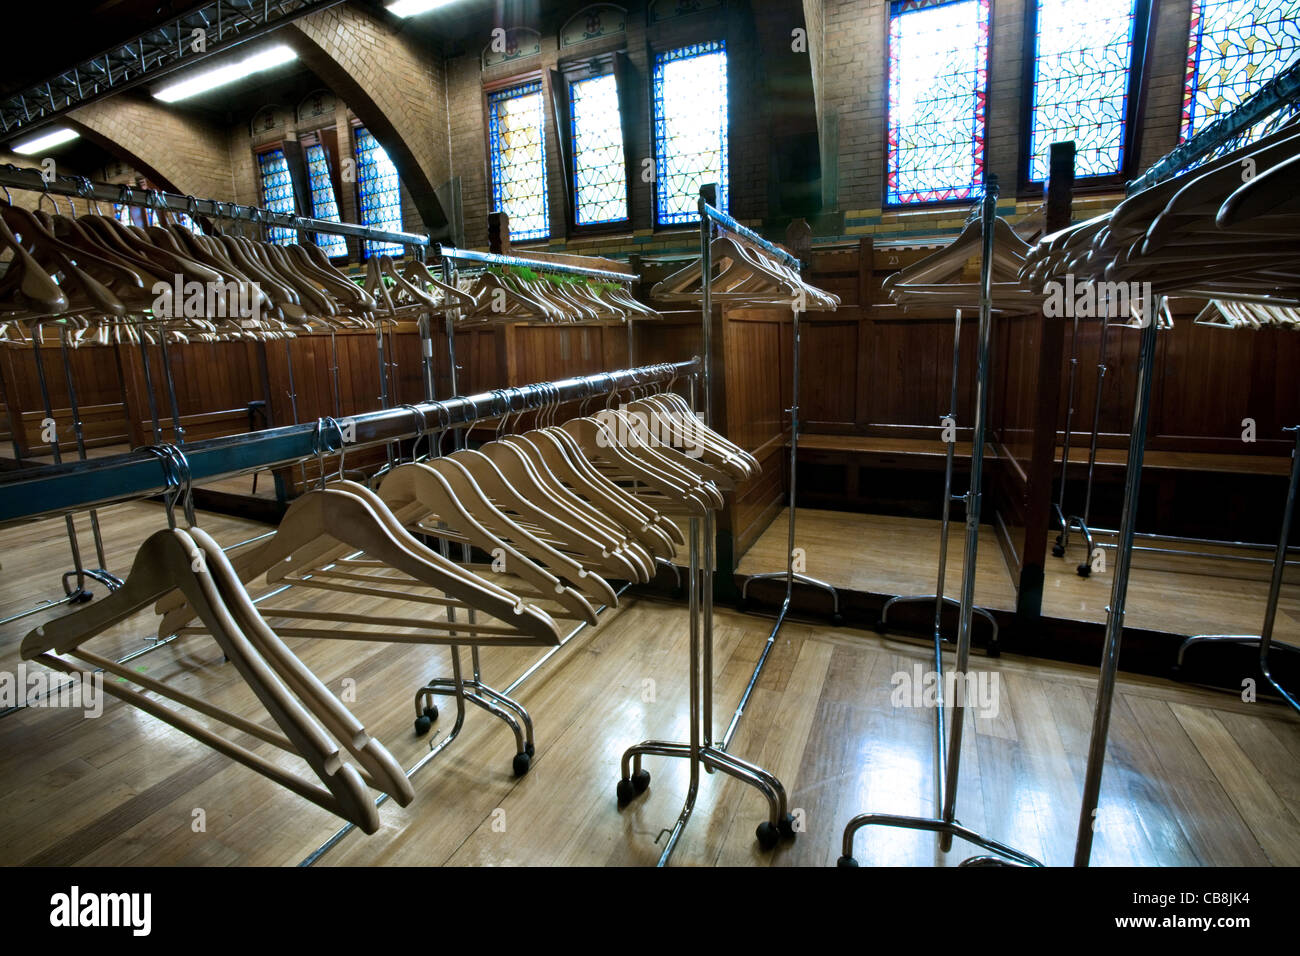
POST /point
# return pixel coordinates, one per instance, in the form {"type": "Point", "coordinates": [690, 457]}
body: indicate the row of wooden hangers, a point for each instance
{"type": "Point", "coordinates": [950, 276]}
{"type": "Point", "coordinates": [562, 508]}
{"type": "Point", "coordinates": [1227, 230]}
{"type": "Point", "coordinates": [525, 295]}
{"type": "Point", "coordinates": [744, 275]}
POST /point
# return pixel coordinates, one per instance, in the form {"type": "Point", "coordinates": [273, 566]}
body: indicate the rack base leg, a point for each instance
{"type": "Point", "coordinates": [636, 780]}
{"type": "Point", "coordinates": [994, 648]}
{"type": "Point", "coordinates": [506, 709]}
{"type": "Point", "coordinates": [1008, 856]}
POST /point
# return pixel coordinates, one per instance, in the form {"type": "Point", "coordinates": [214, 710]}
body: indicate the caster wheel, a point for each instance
{"type": "Point", "coordinates": [522, 764]}
{"type": "Point", "coordinates": [678, 593]}
{"type": "Point", "coordinates": [640, 781]}
{"type": "Point", "coordinates": [1058, 551]}
{"type": "Point", "coordinates": [846, 863]}
{"type": "Point", "coordinates": [994, 650]}
{"type": "Point", "coordinates": [530, 750]}
{"type": "Point", "coordinates": [786, 826]}
{"type": "Point", "coordinates": [80, 597]}
{"type": "Point", "coordinates": [768, 835]}
{"type": "Point", "coordinates": [1085, 570]}
{"type": "Point", "coordinates": [881, 627]}
{"type": "Point", "coordinates": [837, 619]}
{"type": "Point", "coordinates": [422, 725]}
{"type": "Point", "coordinates": [431, 712]}
{"type": "Point", "coordinates": [1059, 541]}
{"type": "Point", "coordinates": [626, 792]}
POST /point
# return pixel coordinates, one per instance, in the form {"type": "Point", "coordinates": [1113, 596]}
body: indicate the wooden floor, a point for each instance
{"type": "Point", "coordinates": [1193, 777]}
{"type": "Point", "coordinates": [892, 555]}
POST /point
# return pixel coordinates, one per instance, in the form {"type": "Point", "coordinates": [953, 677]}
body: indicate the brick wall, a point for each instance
{"type": "Point", "coordinates": [175, 150]}
{"type": "Point", "coordinates": [755, 34]}
{"type": "Point", "coordinates": [395, 87]}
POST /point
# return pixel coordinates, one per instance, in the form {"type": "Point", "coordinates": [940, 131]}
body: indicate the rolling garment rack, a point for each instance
{"type": "Point", "coordinates": [1265, 637]}
{"type": "Point", "coordinates": [1081, 520]}
{"type": "Point", "coordinates": [474, 689]}
{"type": "Point", "coordinates": [700, 749]}
{"type": "Point", "coordinates": [712, 219]}
{"type": "Point", "coordinates": [938, 597]}
{"type": "Point", "coordinates": [948, 752]}
{"type": "Point", "coordinates": [50, 490]}
{"type": "Point", "coordinates": [1276, 99]}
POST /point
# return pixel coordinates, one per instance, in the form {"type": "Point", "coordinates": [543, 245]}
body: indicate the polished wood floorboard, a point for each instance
{"type": "Point", "coordinates": [1168, 592]}
{"type": "Point", "coordinates": [1194, 777]}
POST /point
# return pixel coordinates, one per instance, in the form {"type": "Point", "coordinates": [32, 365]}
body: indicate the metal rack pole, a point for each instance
{"type": "Point", "coordinates": [699, 749]}
{"type": "Point", "coordinates": [1118, 595]}
{"type": "Point", "coordinates": [1265, 637]}
{"type": "Point", "coordinates": [1082, 521]}
{"type": "Point", "coordinates": [938, 597]}
{"type": "Point", "coordinates": [946, 824]}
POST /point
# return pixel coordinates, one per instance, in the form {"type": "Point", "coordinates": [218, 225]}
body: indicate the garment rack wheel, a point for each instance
{"type": "Point", "coordinates": [425, 721]}
{"type": "Point", "coordinates": [629, 789]}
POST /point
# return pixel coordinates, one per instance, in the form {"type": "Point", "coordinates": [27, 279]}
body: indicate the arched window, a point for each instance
{"type": "Point", "coordinates": [938, 78]}
{"type": "Point", "coordinates": [1235, 47]}
{"type": "Point", "coordinates": [1083, 74]}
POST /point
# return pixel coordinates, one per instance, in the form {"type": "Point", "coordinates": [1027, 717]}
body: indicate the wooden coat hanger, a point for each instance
{"type": "Point", "coordinates": [423, 496]}
{"type": "Point", "coordinates": [164, 564]}
{"type": "Point", "coordinates": [533, 477]}
{"type": "Point", "coordinates": [601, 493]}
{"type": "Point", "coordinates": [522, 496]}
{"type": "Point", "coordinates": [347, 516]}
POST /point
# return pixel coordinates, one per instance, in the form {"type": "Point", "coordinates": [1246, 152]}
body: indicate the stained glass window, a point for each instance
{"type": "Point", "coordinates": [938, 75]}
{"type": "Point", "coordinates": [518, 147]}
{"type": "Point", "coordinates": [599, 166]}
{"type": "Point", "coordinates": [1081, 83]}
{"type": "Point", "coordinates": [277, 193]}
{"type": "Point", "coordinates": [691, 115]}
{"type": "Point", "coordinates": [379, 193]}
{"type": "Point", "coordinates": [1236, 46]}
{"type": "Point", "coordinates": [323, 203]}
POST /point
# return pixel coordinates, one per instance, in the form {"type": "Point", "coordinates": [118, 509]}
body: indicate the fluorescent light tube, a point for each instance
{"type": "Point", "coordinates": [220, 76]}
{"type": "Point", "coordinates": [410, 8]}
{"type": "Point", "coordinates": [37, 144]}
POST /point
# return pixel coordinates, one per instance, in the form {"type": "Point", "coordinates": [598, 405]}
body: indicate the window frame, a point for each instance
{"type": "Point", "coordinates": [317, 137]}
{"type": "Point", "coordinates": [885, 204]}
{"type": "Point", "coordinates": [654, 51]}
{"type": "Point", "coordinates": [363, 244]}
{"type": "Point", "coordinates": [1139, 73]}
{"type": "Point", "coordinates": [1193, 68]}
{"type": "Point", "coordinates": [497, 86]}
{"type": "Point", "coordinates": [294, 184]}
{"type": "Point", "coordinates": [567, 72]}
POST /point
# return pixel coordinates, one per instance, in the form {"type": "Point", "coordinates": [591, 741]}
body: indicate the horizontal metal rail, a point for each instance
{"type": "Point", "coordinates": [57, 489]}
{"type": "Point", "coordinates": [491, 258]}
{"type": "Point", "coordinates": [17, 177]}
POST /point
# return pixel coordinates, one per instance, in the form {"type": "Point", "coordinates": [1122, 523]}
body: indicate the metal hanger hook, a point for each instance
{"type": "Point", "coordinates": [171, 481]}
{"type": "Point", "coordinates": [421, 427]}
